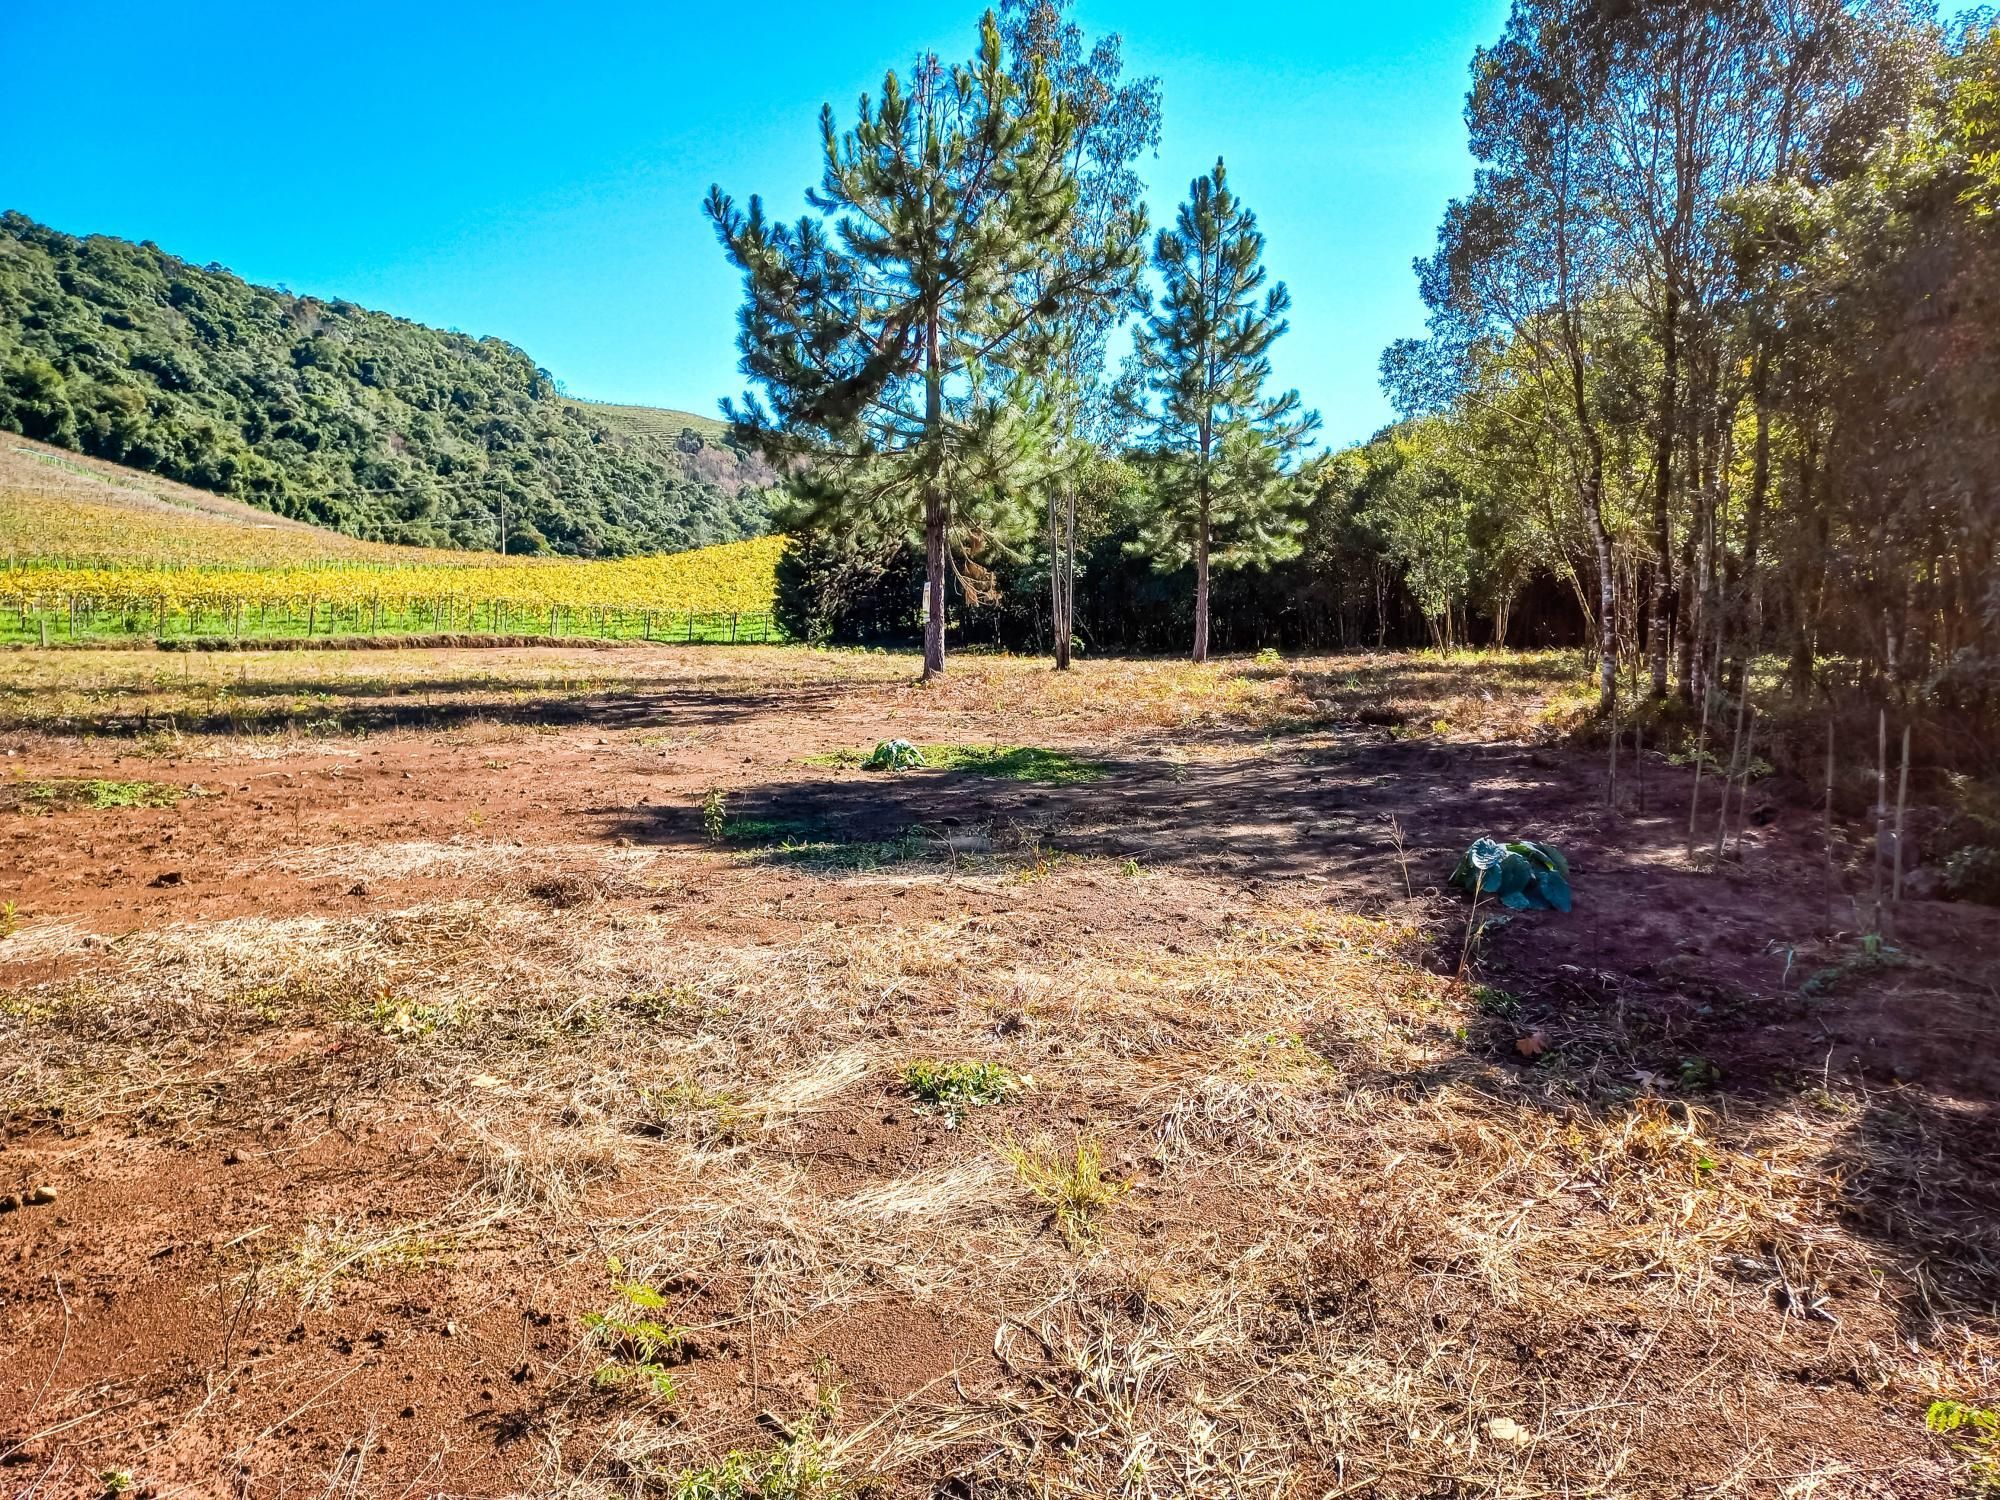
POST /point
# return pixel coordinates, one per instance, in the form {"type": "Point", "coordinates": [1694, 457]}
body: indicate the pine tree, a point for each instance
{"type": "Point", "coordinates": [888, 330]}
{"type": "Point", "coordinates": [1222, 494]}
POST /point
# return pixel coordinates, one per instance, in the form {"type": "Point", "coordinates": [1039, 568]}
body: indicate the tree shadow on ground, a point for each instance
{"type": "Point", "coordinates": [444, 705]}
{"type": "Point", "coordinates": [1677, 977]}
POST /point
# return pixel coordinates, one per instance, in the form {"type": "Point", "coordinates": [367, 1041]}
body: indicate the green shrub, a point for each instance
{"type": "Point", "coordinates": [1973, 874]}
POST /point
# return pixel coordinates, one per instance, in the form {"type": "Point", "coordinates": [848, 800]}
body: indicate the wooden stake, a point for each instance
{"type": "Point", "coordinates": [1611, 778]}
{"type": "Point", "coordinates": [1881, 809]}
{"type": "Point", "coordinates": [1826, 883]}
{"type": "Point", "coordinates": [1902, 802]}
{"type": "Point", "coordinates": [1700, 754]}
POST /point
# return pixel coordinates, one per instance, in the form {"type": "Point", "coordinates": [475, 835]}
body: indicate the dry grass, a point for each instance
{"type": "Point", "coordinates": [1311, 1241]}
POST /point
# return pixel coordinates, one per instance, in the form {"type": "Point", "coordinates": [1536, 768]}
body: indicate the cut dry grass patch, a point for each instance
{"type": "Point", "coordinates": [1318, 1227]}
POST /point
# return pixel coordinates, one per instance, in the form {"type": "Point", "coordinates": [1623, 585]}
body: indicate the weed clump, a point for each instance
{"type": "Point", "coordinates": [954, 1089]}
{"type": "Point", "coordinates": [70, 794]}
{"type": "Point", "coordinates": [1070, 1184]}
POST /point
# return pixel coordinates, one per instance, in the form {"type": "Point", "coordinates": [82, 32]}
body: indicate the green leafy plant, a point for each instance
{"type": "Point", "coordinates": [94, 795]}
{"type": "Point", "coordinates": [894, 755]}
{"type": "Point", "coordinates": [1973, 874]}
{"type": "Point", "coordinates": [637, 1346]}
{"type": "Point", "coordinates": [1874, 954]}
{"type": "Point", "coordinates": [1698, 1074]}
{"type": "Point", "coordinates": [714, 815]}
{"type": "Point", "coordinates": [1523, 875]}
{"type": "Point", "coordinates": [953, 1089]}
{"type": "Point", "coordinates": [1977, 1431]}
{"type": "Point", "coordinates": [1032, 763]}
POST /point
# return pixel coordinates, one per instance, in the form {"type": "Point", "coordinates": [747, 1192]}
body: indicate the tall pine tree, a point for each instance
{"type": "Point", "coordinates": [1223, 494]}
{"type": "Point", "coordinates": [886, 330]}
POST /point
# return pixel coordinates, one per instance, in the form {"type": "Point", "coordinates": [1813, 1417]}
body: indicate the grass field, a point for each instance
{"type": "Point", "coordinates": [549, 1071]}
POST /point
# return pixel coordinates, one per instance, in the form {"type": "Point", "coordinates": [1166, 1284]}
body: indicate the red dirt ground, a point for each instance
{"type": "Point", "coordinates": [133, 1331]}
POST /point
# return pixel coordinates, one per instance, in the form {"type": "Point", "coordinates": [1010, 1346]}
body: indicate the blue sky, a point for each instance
{"type": "Point", "coordinates": [536, 172]}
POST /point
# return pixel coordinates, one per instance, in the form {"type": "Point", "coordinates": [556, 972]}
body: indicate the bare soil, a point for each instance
{"type": "Point", "coordinates": [435, 1016]}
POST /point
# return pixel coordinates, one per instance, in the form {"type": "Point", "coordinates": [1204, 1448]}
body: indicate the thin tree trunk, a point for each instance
{"type": "Point", "coordinates": [1741, 590]}
{"type": "Point", "coordinates": [1663, 479]}
{"type": "Point", "coordinates": [1201, 583]}
{"type": "Point", "coordinates": [1062, 543]}
{"type": "Point", "coordinates": [1607, 600]}
{"type": "Point", "coordinates": [934, 512]}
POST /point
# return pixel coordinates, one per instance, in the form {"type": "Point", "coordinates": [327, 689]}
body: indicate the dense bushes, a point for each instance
{"type": "Point", "coordinates": [331, 413]}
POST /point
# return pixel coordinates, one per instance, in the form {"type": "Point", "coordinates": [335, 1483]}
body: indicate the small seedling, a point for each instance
{"type": "Point", "coordinates": [894, 755]}
{"type": "Point", "coordinates": [637, 1346]}
{"type": "Point", "coordinates": [802, 1465]}
{"type": "Point", "coordinates": [10, 919]}
{"type": "Point", "coordinates": [1071, 1184]}
{"type": "Point", "coordinates": [408, 1020]}
{"type": "Point", "coordinates": [115, 1481]}
{"type": "Point", "coordinates": [1978, 1432]}
{"type": "Point", "coordinates": [714, 815]}
{"type": "Point", "coordinates": [1698, 1074]}
{"type": "Point", "coordinates": [954, 1089]}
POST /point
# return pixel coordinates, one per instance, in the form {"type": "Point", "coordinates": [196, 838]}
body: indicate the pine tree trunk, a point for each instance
{"type": "Point", "coordinates": [1201, 585]}
{"type": "Point", "coordinates": [934, 510]}
{"type": "Point", "coordinates": [1062, 554]}
{"type": "Point", "coordinates": [933, 583]}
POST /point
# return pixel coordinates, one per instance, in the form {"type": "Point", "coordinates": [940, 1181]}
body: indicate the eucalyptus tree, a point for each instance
{"type": "Point", "coordinates": [1526, 266]}
{"type": "Point", "coordinates": [1117, 121]}
{"type": "Point", "coordinates": [1221, 451]}
{"type": "Point", "coordinates": [890, 327]}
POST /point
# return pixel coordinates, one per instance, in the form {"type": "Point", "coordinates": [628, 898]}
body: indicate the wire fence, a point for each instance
{"type": "Point", "coordinates": [80, 622]}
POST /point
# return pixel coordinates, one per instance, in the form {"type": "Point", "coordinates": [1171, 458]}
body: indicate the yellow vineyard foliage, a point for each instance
{"type": "Point", "coordinates": [737, 576]}
{"type": "Point", "coordinates": [111, 540]}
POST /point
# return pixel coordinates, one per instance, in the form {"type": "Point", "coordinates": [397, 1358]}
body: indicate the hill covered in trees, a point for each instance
{"type": "Point", "coordinates": [329, 412]}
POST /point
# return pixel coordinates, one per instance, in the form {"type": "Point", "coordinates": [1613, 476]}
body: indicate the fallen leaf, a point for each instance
{"type": "Point", "coordinates": [1534, 1044]}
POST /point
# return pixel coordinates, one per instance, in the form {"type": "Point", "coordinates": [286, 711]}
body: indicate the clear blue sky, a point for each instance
{"type": "Point", "coordinates": [536, 171]}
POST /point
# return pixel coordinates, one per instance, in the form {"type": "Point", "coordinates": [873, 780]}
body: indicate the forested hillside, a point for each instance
{"type": "Point", "coordinates": [325, 411]}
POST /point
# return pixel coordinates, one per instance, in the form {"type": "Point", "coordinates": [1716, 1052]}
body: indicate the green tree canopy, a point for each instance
{"type": "Point", "coordinates": [888, 329]}
{"type": "Point", "coordinates": [1221, 450]}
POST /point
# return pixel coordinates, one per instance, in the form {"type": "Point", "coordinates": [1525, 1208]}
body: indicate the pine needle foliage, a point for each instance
{"type": "Point", "coordinates": [888, 328]}
{"type": "Point", "coordinates": [1222, 491]}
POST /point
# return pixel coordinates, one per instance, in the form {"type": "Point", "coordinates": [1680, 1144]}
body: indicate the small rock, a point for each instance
{"type": "Point", "coordinates": [167, 878]}
{"type": "Point", "coordinates": [37, 1196]}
